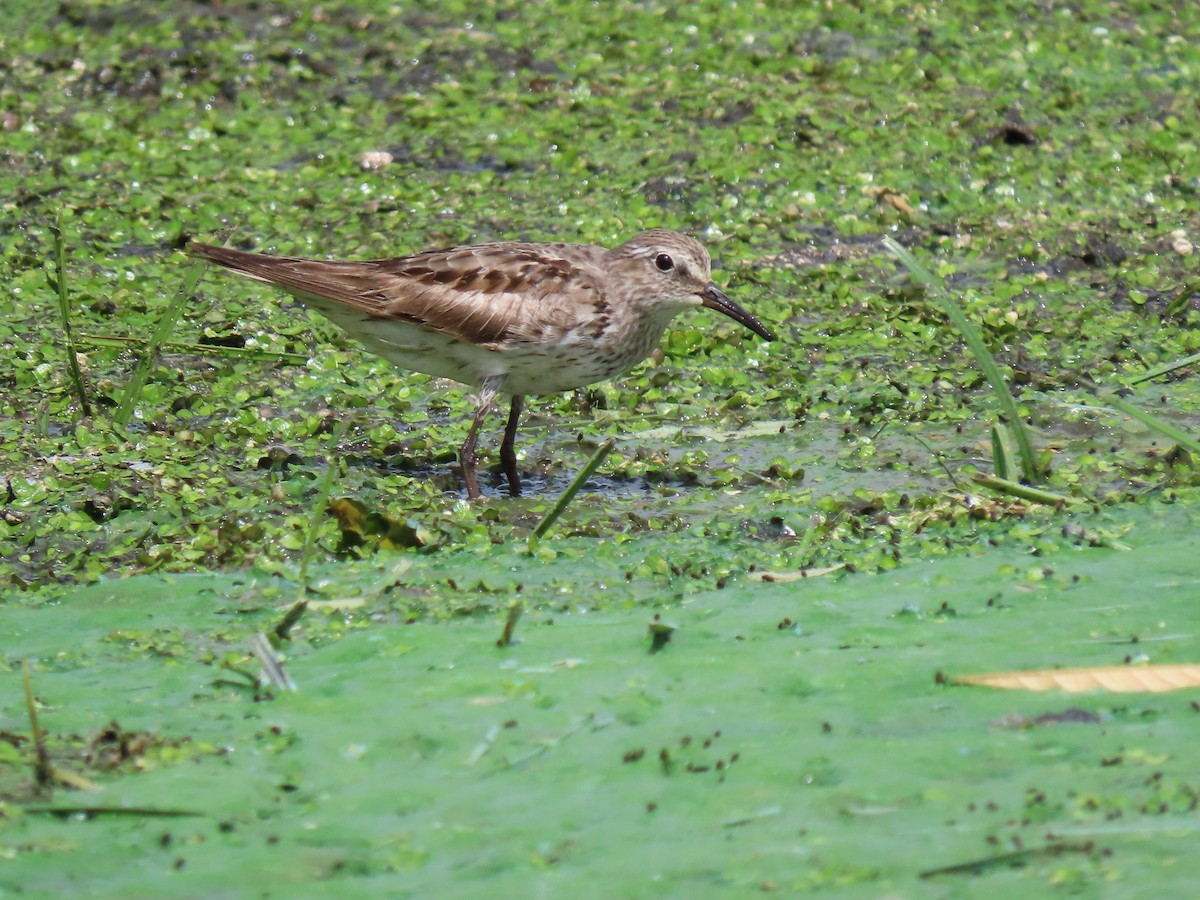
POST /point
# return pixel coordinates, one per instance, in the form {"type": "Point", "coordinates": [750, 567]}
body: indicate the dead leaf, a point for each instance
{"type": "Point", "coordinates": [785, 577]}
{"type": "Point", "coordinates": [1115, 679]}
{"type": "Point", "coordinates": [893, 198]}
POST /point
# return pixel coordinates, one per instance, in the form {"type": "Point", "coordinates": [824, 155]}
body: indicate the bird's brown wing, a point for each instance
{"type": "Point", "coordinates": [487, 294]}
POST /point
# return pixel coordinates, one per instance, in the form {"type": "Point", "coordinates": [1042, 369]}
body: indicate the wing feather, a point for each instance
{"type": "Point", "coordinates": [491, 294]}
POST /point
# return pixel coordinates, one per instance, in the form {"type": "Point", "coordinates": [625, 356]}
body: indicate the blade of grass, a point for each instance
{"type": "Point", "coordinates": [59, 283]}
{"type": "Point", "coordinates": [1182, 438]}
{"type": "Point", "coordinates": [133, 343]}
{"type": "Point", "coordinates": [1006, 860]}
{"type": "Point", "coordinates": [510, 624]}
{"type": "Point", "coordinates": [283, 629]}
{"type": "Point", "coordinates": [90, 812]}
{"type": "Point", "coordinates": [273, 671]}
{"type": "Point", "coordinates": [937, 456]}
{"type": "Point", "coordinates": [1024, 491]}
{"type": "Point", "coordinates": [149, 357]}
{"type": "Point", "coordinates": [999, 454]}
{"type": "Point", "coordinates": [1030, 470]}
{"type": "Point", "coordinates": [568, 495]}
{"type": "Point", "coordinates": [43, 772]}
{"type": "Point", "coordinates": [1165, 369]}
{"type": "Point", "coordinates": [321, 503]}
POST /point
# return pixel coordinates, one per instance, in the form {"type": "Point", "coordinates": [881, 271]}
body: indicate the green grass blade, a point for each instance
{"type": "Point", "coordinates": [999, 454]}
{"type": "Point", "coordinates": [322, 501]}
{"type": "Point", "coordinates": [59, 284]}
{"type": "Point", "coordinates": [1165, 369]}
{"type": "Point", "coordinates": [274, 672]}
{"type": "Point", "coordinates": [568, 495]}
{"type": "Point", "coordinates": [149, 357]}
{"type": "Point", "coordinates": [1024, 491]}
{"type": "Point", "coordinates": [42, 770]}
{"type": "Point", "coordinates": [283, 628]}
{"type": "Point", "coordinates": [1030, 470]}
{"type": "Point", "coordinates": [510, 624]}
{"type": "Point", "coordinates": [1182, 438]}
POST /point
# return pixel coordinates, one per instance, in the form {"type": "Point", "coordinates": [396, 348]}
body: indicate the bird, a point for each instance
{"type": "Point", "coordinates": [511, 317]}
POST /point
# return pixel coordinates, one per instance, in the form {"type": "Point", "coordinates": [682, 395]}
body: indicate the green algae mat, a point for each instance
{"type": "Point", "coordinates": [788, 736]}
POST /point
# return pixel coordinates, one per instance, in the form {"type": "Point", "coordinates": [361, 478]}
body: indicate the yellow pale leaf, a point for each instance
{"type": "Point", "coordinates": [1115, 679]}
{"type": "Point", "coordinates": [799, 575]}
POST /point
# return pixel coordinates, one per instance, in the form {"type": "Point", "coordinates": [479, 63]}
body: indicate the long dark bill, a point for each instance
{"type": "Point", "coordinates": [714, 298]}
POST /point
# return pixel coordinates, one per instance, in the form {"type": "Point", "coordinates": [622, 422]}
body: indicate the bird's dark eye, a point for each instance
{"type": "Point", "coordinates": [664, 262]}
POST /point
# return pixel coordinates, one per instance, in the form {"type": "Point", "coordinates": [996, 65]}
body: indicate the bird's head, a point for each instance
{"type": "Point", "coordinates": [673, 271]}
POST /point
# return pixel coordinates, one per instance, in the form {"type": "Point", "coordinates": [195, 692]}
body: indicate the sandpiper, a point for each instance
{"type": "Point", "coordinates": [512, 318]}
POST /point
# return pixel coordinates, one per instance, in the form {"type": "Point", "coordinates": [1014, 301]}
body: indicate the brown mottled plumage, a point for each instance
{"type": "Point", "coordinates": [514, 318]}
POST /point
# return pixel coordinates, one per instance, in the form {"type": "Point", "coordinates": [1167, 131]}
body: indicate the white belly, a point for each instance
{"type": "Point", "coordinates": [529, 368]}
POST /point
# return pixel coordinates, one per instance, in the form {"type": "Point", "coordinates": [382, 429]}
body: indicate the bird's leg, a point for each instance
{"type": "Point", "coordinates": [466, 453]}
{"type": "Point", "coordinates": [508, 451]}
